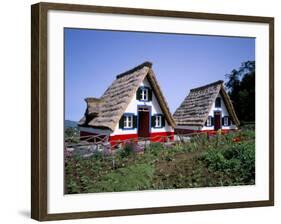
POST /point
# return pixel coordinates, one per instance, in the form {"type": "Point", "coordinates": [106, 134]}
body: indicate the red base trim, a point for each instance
{"type": "Point", "coordinates": [209, 132]}
{"type": "Point", "coordinates": [154, 137]}
{"type": "Point", "coordinates": [117, 139]}
{"type": "Point", "coordinates": [161, 136]}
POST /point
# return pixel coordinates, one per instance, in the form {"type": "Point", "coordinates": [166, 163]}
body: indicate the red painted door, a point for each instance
{"type": "Point", "coordinates": [217, 120]}
{"type": "Point", "coordinates": [143, 124]}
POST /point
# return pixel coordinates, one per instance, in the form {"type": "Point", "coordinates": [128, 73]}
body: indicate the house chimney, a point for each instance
{"type": "Point", "coordinates": [93, 106]}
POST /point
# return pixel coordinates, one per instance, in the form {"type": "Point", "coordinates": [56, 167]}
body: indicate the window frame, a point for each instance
{"type": "Point", "coordinates": [158, 123]}
{"type": "Point", "coordinates": [144, 92]}
{"type": "Point", "coordinates": [127, 122]}
{"type": "Point", "coordinates": [209, 119]}
{"type": "Point", "coordinates": [226, 118]}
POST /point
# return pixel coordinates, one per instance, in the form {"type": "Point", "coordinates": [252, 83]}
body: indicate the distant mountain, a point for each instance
{"type": "Point", "coordinates": [70, 124]}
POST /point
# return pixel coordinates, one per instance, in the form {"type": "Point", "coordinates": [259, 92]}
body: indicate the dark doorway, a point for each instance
{"type": "Point", "coordinates": [143, 122]}
{"type": "Point", "coordinates": [217, 118]}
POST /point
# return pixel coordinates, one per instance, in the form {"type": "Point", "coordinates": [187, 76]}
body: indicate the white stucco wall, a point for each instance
{"type": "Point", "coordinates": [132, 108]}
{"type": "Point", "coordinates": [224, 112]}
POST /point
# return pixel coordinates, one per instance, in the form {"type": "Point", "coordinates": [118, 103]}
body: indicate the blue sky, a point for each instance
{"type": "Point", "coordinates": [93, 58]}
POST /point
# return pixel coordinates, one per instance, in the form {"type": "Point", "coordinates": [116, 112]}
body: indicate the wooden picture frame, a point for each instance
{"type": "Point", "coordinates": [39, 109]}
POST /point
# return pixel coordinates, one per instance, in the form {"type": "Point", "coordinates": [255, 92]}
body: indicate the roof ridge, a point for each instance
{"type": "Point", "coordinates": [144, 64]}
{"type": "Point", "coordinates": [206, 86]}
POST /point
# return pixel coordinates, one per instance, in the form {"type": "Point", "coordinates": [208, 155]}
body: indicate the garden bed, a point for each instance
{"type": "Point", "coordinates": [223, 160]}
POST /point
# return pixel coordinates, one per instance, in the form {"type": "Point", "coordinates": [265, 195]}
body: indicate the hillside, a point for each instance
{"type": "Point", "coordinates": [70, 124]}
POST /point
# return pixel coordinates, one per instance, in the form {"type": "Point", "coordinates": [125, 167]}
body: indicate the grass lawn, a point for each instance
{"type": "Point", "coordinates": [221, 160]}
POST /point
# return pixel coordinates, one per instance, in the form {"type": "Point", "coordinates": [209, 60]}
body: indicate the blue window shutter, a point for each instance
{"type": "Point", "coordinates": [222, 121]}
{"type": "Point", "coordinates": [153, 118]}
{"type": "Point", "coordinates": [138, 94]}
{"type": "Point", "coordinates": [163, 121]}
{"type": "Point", "coordinates": [121, 122]}
{"type": "Point", "coordinates": [149, 94]}
{"type": "Point", "coordinates": [135, 121]}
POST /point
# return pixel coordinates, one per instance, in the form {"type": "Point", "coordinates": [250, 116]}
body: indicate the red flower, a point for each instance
{"type": "Point", "coordinates": [237, 139]}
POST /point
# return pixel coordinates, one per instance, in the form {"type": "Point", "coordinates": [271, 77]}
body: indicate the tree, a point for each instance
{"type": "Point", "coordinates": [241, 89]}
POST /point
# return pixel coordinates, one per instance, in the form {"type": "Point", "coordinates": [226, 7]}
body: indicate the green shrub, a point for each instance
{"type": "Point", "coordinates": [132, 178]}
{"type": "Point", "coordinates": [200, 139]}
{"type": "Point", "coordinates": [72, 187]}
{"type": "Point", "coordinates": [248, 134]}
{"type": "Point", "coordinates": [236, 161]}
{"type": "Point", "coordinates": [247, 125]}
{"type": "Point", "coordinates": [201, 162]}
{"type": "Point", "coordinates": [127, 150]}
{"type": "Point", "coordinates": [155, 148]}
{"type": "Point", "coordinates": [72, 134]}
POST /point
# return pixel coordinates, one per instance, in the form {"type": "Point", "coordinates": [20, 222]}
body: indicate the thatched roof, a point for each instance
{"type": "Point", "coordinates": [116, 98]}
{"type": "Point", "coordinates": [196, 107]}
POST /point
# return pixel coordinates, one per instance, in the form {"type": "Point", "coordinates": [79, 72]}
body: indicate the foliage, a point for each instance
{"type": "Point", "coordinates": [247, 126]}
{"type": "Point", "coordinates": [72, 134]}
{"type": "Point", "coordinates": [132, 178]}
{"type": "Point", "coordinates": [241, 89]}
{"type": "Point", "coordinates": [155, 148]}
{"type": "Point", "coordinates": [235, 162]}
{"type": "Point", "coordinates": [127, 150]}
{"type": "Point", "coordinates": [219, 160]}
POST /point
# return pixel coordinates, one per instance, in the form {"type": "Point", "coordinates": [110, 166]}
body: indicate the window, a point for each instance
{"type": "Point", "coordinates": [218, 102]}
{"type": "Point", "coordinates": [209, 121]}
{"type": "Point", "coordinates": [158, 121]}
{"type": "Point", "coordinates": [225, 121]}
{"type": "Point", "coordinates": [144, 94]}
{"type": "Point", "coordinates": [128, 121]}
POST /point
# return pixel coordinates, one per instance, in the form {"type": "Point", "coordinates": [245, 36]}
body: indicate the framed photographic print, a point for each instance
{"type": "Point", "coordinates": [140, 111]}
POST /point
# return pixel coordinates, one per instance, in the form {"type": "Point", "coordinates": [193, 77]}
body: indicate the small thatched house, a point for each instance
{"type": "Point", "coordinates": [206, 109]}
{"type": "Point", "coordinates": [133, 107]}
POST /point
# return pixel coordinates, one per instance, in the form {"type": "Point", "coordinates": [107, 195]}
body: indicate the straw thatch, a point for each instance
{"type": "Point", "coordinates": [106, 111]}
{"type": "Point", "coordinates": [196, 107]}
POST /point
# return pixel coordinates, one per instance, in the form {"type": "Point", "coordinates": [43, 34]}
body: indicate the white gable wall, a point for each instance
{"type": "Point", "coordinates": [133, 108]}
{"type": "Point", "coordinates": [224, 112]}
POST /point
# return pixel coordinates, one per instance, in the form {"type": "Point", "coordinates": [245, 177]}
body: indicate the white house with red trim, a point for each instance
{"type": "Point", "coordinates": [206, 109]}
{"type": "Point", "coordinates": [133, 107]}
